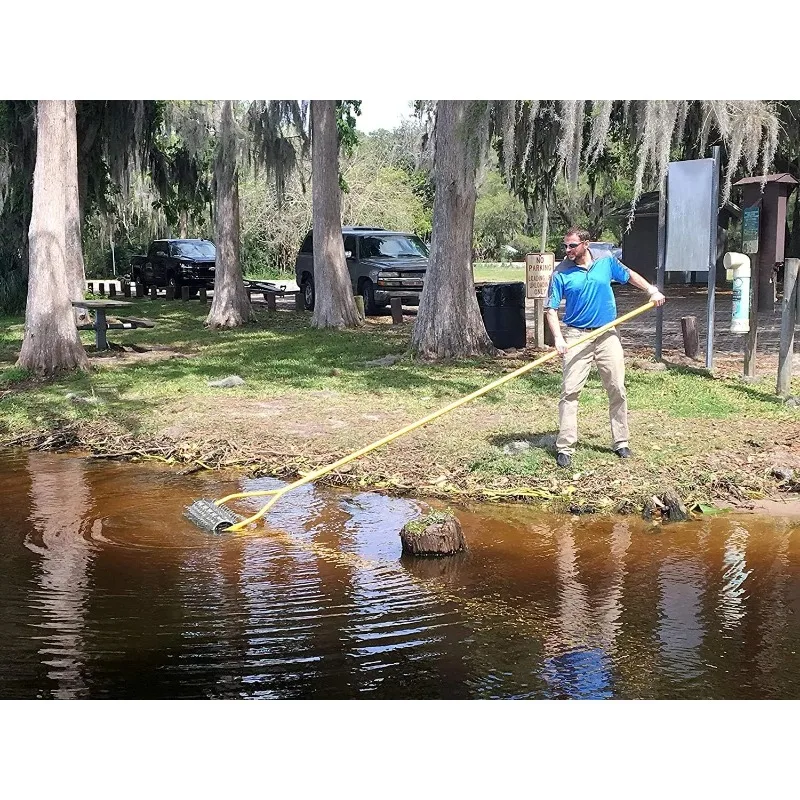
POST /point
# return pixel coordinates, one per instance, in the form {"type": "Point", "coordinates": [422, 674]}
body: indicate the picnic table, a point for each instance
{"type": "Point", "coordinates": [100, 323]}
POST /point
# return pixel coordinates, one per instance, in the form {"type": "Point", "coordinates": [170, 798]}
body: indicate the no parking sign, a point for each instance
{"type": "Point", "coordinates": [538, 269]}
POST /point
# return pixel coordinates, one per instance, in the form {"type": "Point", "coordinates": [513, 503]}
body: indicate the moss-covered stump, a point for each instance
{"type": "Point", "coordinates": [437, 534]}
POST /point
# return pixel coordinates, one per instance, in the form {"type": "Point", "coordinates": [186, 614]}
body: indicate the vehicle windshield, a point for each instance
{"type": "Point", "coordinates": [392, 247]}
{"type": "Point", "coordinates": [194, 249]}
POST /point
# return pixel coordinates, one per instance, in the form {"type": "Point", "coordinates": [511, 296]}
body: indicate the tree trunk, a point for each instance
{"type": "Point", "coordinates": [449, 323]}
{"type": "Point", "coordinates": [76, 271]}
{"type": "Point", "coordinates": [231, 306]}
{"type": "Point", "coordinates": [334, 306]}
{"type": "Point", "coordinates": [51, 343]}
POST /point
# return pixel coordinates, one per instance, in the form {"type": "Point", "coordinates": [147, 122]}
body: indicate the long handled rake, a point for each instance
{"type": "Point", "coordinates": [213, 516]}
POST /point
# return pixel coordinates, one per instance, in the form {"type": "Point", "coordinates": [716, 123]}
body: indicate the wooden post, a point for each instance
{"type": "Point", "coordinates": [140, 290]}
{"type": "Point", "coordinates": [691, 342]}
{"type": "Point", "coordinates": [153, 292]}
{"type": "Point", "coordinates": [752, 336]}
{"type": "Point", "coordinates": [90, 287]}
{"type": "Point", "coordinates": [101, 289]}
{"type": "Point", "coordinates": [270, 298]}
{"type": "Point", "coordinates": [397, 310]}
{"type": "Point", "coordinates": [112, 289]}
{"type": "Point", "coordinates": [203, 295]}
{"type": "Point", "coordinates": [126, 289]}
{"type": "Point", "coordinates": [299, 305]}
{"type": "Point", "coordinates": [359, 305]}
{"type": "Point", "coordinates": [185, 293]}
{"type": "Point", "coordinates": [788, 320]}
{"type": "Point", "coordinates": [539, 335]}
{"type": "Point", "coordinates": [169, 293]}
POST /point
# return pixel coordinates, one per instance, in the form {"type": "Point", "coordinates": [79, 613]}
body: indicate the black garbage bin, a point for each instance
{"type": "Point", "coordinates": [502, 308]}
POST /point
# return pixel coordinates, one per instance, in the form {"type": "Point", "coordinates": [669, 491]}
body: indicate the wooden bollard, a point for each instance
{"type": "Point", "coordinates": [90, 287]}
{"type": "Point", "coordinates": [112, 289]}
{"type": "Point", "coordinates": [788, 321]}
{"type": "Point", "coordinates": [126, 290]}
{"type": "Point", "coordinates": [691, 343]}
{"type": "Point", "coordinates": [270, 298]}
{"type": "Point", "coordinates": [203, 295]}
{"type": "Point", "coordinates": [185, 293]}
{"type": "Point", "coordinates": [101, 288]}
{"type": "Point", "coordinates": [169, 293]}
{"type": "Point", "coordinates": [397, 310]}
{"type": "Point", "coordinates": [299, 305]}
{"type": "Point", "coordinates": [359, 305]}
{"type": "Point", "coordinates": [140, 290]}
{"type": "Point", "coordinates": [153, 292]}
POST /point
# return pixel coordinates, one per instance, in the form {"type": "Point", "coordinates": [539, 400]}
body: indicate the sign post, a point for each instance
{"type": "Point", "coordinates": [538, 269]}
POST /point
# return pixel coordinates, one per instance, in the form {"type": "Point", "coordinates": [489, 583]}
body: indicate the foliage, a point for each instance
{"type": "Point", "coordinates": [346, 113]}
{"type": "Point", "coordinates": [499, 218]}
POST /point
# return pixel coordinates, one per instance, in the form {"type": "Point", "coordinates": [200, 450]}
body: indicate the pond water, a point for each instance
{"type": "Point", "coordinates": [108, 592]}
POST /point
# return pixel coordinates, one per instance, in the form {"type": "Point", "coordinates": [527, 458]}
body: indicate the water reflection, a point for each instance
{"type": "Point", "coordinates": [60, 502]}
{"type": "Point", "coordinates": [321, 604]}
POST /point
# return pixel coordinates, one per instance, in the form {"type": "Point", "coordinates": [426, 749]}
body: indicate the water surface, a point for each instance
{"type": "Point", "coordinates": [108, 592]}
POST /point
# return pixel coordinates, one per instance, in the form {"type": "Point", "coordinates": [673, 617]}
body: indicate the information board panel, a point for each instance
{"type": "Point", "coordinates": [690, 212]}
{"type": "Point", "coordinates": [750, 222]}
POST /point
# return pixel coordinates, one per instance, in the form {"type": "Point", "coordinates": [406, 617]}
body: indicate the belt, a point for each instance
{"type": "Point", "coordinates": [586, 329]}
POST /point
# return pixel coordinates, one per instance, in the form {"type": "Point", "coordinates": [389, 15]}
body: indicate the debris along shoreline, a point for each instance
{"type": "Point", "coordinates": [763, 483]}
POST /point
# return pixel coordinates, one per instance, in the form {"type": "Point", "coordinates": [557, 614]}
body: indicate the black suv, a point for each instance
{"type": "Point", "coordinates": [176, 262]}
{"type": "Point", "coordinates": [382, 264]}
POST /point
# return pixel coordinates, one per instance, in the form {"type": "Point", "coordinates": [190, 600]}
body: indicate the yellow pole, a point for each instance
{"type": "Point", "coordinates": [317, 473]}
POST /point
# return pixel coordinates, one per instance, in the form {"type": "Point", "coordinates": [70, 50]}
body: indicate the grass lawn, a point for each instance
{"type": "Point", "coordinates": [310, 397]}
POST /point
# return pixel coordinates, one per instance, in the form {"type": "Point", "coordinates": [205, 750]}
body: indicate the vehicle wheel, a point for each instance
{"type": "Point", "coordinates": [175, 282]}
{"type": "Point", "coordinates": [307, 287]}
{"type": "Point", "coordinates": [368, 293]}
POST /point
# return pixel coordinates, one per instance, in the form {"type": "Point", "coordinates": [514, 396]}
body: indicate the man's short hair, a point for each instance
{"type": "Point", "coordinates": [581, 233]}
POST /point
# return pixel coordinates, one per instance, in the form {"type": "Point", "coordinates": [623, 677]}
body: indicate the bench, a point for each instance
{"type": "Point", "coordinates": [272, 289]}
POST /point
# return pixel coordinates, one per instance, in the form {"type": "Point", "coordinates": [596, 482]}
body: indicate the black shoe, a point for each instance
{"type": "Point", "coordinates": [624, 452]}
{"type": "Point", "coordinates": [563, 459]}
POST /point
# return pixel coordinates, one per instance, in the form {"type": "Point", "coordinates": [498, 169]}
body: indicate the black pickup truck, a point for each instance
{"type": "Point", "coordinates": [176, 262]}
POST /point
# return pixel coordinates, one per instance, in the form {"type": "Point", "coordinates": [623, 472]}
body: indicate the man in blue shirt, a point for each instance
{"type": "Point", "coordinates": [583, 280]}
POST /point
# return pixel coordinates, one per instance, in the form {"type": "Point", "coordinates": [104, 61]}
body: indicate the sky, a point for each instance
{"type": "Point", "coordinates": [386, 113]}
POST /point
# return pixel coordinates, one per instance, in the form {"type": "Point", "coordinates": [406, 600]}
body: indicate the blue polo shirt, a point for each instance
{"type": "Point", "coordinates": [589, 298]}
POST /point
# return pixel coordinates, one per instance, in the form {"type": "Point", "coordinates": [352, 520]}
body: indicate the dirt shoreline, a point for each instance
{"type": "Point", "coordinates": [752, 492]}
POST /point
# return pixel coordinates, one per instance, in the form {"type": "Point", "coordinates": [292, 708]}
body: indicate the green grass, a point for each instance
{"type": "Point", "coordinates": [675, 413]}
{"type": "Point", "coordinates": [486, 271]}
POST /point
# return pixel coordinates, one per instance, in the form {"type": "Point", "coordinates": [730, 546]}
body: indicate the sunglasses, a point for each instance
{"type": "Point", "coordinates": [572, 245]}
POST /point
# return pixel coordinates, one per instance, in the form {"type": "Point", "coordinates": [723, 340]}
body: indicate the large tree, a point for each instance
{"type": "Point", "coordinates": [231, 305]}
{"type": "Point", "coordinates": [449, 323]}
{"type": "Point", "coordinates": [51, 343]}
{"type": "Point", "coordinates": [334, 305]}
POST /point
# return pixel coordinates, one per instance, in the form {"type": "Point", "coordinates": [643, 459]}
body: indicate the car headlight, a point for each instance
{"type": "Point", "coordinates": [387, 273]}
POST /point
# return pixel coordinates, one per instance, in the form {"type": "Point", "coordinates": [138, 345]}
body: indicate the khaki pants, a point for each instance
{"type": "Point", "coordinates": [606, 353]}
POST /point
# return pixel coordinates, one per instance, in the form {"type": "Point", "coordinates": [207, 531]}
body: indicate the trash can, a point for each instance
{"type": "Point", "coordinates": [502, 308]}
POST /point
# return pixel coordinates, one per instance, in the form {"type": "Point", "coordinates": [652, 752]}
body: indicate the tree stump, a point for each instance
{"type": "Point", "coordinates": [437, 534]}
{"type": "Point", "coordinates": [668, 507]}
